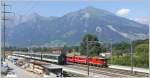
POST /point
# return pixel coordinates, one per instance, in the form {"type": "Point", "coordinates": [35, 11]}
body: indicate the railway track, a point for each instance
{"type": "Point", "coordinates": [96, 71]}
{"type": "Point", "coordinates": [109, 71]}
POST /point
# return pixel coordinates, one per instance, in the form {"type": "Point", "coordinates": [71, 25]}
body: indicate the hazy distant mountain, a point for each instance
{"type": "Point", "coordinates": [70, 28]}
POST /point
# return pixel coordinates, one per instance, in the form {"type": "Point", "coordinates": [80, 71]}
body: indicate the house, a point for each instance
{"type": "Point", "coordinates": [58, 51]}
{"type": "Point", "coordinates": [106, 54]}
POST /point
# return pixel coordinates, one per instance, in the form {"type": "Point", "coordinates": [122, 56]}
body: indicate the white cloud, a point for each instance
{"type": "Point", "coordinates": [123, 12]}
{"type": "Point", "coordinates": [86, 15]}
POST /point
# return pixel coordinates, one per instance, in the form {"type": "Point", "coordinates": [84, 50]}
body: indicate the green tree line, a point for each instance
{"type": "Point", "coordinates": [122, 56]}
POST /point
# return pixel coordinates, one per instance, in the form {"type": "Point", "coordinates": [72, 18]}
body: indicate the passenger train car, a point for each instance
{"type": "Point", "coordinates": [54, 58]}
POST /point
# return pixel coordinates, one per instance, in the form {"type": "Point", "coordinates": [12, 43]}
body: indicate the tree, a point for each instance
{"type": "Point", "coordinates": [142, 55]}
{"type": "Point", "coordinates": [41, 49]}
{"type": "Point", "coordinates": [94, 48]}
{"type": "Point", "coordinates": [120, 48]}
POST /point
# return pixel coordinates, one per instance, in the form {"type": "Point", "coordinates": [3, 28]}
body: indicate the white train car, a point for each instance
{"type": "Point", "coordinates": [54, 58]}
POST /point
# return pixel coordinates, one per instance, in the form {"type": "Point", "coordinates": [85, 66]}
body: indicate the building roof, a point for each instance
{"type": "Point", "coordinates": [39, 63]}
{"type": "Point", "coordinates": [52, 67]}
{"type": "Point", "coordinates": [56, 49]}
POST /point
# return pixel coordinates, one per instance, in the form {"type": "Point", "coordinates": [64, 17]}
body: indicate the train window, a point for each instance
{"type": "Point", "coordinates": [35, 55]}
{"type": "Point", "coordinates": [52, 57]}
{"type": "Point", "coordinates": [39, 55]}
{"type": "Point", "coordinates": [81, 58]}
{"type": "Point", "coordinates": [46, 56]}
{"type": "Point", "coordinates": [55, 57]}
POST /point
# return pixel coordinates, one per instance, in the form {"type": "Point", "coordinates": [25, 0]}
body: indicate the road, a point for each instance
{"type": "Point", "coordinates": [17, 72]}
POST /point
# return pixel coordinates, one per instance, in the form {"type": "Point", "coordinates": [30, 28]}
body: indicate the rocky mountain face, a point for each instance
{"type": "Point", "coordinates": [70, 28]}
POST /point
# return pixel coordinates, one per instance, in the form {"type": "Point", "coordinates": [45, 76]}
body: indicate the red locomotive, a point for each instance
{"type": "Point", "coordinates": [102, 62]}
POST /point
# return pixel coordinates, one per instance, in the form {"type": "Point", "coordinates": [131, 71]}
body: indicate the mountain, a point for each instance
{"type": "Point", "coordinates": [70, 28]}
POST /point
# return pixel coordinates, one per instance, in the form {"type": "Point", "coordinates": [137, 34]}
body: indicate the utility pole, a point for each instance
{"type": "Point", "coordinates": [111, 50]}
{"type": "Point", "coordinates": [41, 53]}
{"type": "Point", "coordinates": [3, 25]}
{"type": "Point", "coordinates": [87, 54]}
{"type": "Point", "coordinates": [131, 57]}
{"type": "Point", "coordinates": [131, 54]}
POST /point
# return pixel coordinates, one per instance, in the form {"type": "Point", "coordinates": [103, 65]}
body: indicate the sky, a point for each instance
{"type": "Point", "coordinates": [126, 9]}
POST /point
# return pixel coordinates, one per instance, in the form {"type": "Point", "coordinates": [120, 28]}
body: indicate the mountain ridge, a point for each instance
{"type": "Point", "coordinates": [70, 28]}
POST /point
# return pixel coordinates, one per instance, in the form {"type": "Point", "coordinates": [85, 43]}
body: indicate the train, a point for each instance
{"type": "Point", "coordinates": [62, 59]}
{"type": "Point", "coordinates": [95, 61]}
{"type": "Point", "coordinates": [59, 59]}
